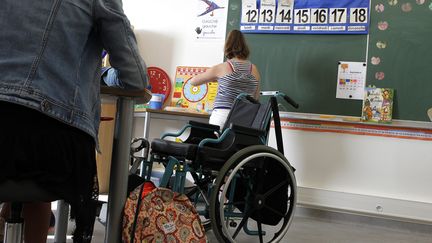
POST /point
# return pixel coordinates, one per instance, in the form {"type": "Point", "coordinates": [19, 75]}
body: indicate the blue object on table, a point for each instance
{"type": "Point", "coordinates": [156, 101]}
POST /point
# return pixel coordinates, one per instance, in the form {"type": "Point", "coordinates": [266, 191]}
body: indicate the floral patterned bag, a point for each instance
{"type": "Point", "coordinates": [163, 216]}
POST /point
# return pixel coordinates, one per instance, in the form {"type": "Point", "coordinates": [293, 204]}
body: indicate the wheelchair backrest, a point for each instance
{"type": "Point", "coordinates": [250, 114]}
{"type": "Point", "coordinates": [244, 113]}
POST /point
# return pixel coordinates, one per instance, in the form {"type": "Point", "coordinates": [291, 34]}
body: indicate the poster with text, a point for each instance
{"type": "Point", "coordinates": [351, 80]}
{"type": "Point", "coordinates": [211, 19]}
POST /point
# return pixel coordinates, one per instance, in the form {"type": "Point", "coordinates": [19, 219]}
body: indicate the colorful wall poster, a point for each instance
{"type": "Point", "coordinates": [211, 19]}
{"type": "Point", "coordinates": [377, 105]}
{"type": "Point", "coordinates": [351, 80]}
{"type": "Point", "coordinates": [194, 98]}
{"type": "Point", "coordinates": [305, 17]}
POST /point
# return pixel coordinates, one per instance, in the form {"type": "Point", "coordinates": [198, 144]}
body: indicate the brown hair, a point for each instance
{"type": "Point", "coordinates": [235, 45]}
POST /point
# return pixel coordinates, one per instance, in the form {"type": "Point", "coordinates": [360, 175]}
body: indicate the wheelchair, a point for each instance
{"type": "Point", "coordinates": [239, 183]}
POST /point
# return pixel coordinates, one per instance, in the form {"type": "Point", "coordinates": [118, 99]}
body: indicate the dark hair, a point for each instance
{"type": "Point", "coordinates": [235, 45]}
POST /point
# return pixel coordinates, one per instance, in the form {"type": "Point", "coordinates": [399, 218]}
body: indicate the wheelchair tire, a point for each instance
{"type": "Point", "coordinates": [258, 187]}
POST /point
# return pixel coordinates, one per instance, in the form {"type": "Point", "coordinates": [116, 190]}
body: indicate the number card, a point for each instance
{"type": "Point", "coordinates": [284, 15]}
{"type": "Point", "coordinates": [249, 17]}
{"type": "Point", "coordinates": [267, 13]}
{"type": "Point", "coordinates": [305, 17]}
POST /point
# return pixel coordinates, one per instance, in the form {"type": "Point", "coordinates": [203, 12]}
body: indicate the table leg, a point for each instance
{"type": "Point", "coordinates": [147, 125]}
{"type": "Point", "coordinates": [119, 169]}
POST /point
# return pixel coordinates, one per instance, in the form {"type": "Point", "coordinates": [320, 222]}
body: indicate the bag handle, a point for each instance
{"type": "Point", "coordinates": [137, 210]}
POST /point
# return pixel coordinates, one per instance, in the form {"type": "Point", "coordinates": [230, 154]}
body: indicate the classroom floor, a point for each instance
{"type": "Point", "coordinates": [316, 226]}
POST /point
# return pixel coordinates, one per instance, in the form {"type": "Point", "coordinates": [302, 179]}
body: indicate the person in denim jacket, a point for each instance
{"type": "Point", "coordinates": [50, 64]}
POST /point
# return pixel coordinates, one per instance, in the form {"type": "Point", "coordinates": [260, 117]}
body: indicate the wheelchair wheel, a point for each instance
{"type": "Point", "coordinates": [254, 197]}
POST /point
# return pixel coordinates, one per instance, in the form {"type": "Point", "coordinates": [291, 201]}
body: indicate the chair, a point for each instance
{"type": "Point", "coordinates": [248, 119]}
{"type": "Point", "coordinates": [206, 149]}
{"type": "Point", "coordinates": [18, 193]}
{"type": "Point", "coordinates": [235, 164]}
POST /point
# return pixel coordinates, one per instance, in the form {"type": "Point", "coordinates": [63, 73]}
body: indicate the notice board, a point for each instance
{"type": "Point", "coordinates": [397, 51]}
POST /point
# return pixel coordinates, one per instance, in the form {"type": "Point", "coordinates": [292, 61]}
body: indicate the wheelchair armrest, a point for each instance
{"type": "Point", "coordinates": [247, 130]}
{"type": "Point", "coordinates": [195, 128]}
{"type": "Point", "coordinates": [200, 131]}
{"type": "Point", "coordinates": [176, 134]}
{"type": "Point", "coordinates": [241, 132]}
{"type": "Point", "coordinates": [205, 141]}
{"type": "Point", "coordinates": [237, 136]}
{"type": "Point", "coordinates": [201, 125]}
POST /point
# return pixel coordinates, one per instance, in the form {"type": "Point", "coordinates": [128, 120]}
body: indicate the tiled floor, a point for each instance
{"type": "Point", "coordinates": [314, 226]}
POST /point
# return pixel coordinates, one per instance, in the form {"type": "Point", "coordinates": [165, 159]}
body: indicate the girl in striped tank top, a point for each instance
{"type": "Point", "coordinates": [236, 75]}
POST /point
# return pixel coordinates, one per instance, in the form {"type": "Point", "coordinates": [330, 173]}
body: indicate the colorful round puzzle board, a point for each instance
{"type": "Point", "coordinates": [196, 98]}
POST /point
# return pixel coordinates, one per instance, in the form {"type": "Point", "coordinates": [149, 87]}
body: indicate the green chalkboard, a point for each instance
{"type": "Point", "coordinates": [305, 66]}
{"type": "Point", "coordinates": [406, 60]}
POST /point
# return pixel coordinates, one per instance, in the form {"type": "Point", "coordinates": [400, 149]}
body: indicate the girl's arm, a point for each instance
{"type": "Point", "coordinates": [211, 75]}
{"type": "Point", "coordinates": [257, 76]}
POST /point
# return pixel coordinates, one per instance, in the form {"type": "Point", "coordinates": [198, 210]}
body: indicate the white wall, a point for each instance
{"type": "Point", "coordinates": [334, 168]}
{"type": "Point", "coordinates": [165, 34]}
{"type": "Point", "coordinates": [381, 166]}
{"type": "Point", "coordinates": [337, 171]}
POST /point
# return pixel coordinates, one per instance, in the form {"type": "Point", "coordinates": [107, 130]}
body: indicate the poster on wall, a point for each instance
{"type": "Point", "coordinates": [305, 17]}
{"type": "Point", "coordinates": [193, 98]}
{"type": "Point", "coordinates": [211, 19]}
{"type": "Point", "coordinates": [351, 80]}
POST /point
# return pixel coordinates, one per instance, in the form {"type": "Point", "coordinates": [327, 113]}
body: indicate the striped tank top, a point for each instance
{"type": "Point", "coordinates": [231, 85]}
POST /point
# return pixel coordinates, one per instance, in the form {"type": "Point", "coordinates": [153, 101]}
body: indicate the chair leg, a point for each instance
{"type": "Point", "coordinates": [61, 222]}
{"type": "Point", "coordinates": [14, 225]}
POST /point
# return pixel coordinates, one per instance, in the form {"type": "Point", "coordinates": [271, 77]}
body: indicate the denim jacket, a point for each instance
{"type": "Point", "coordinates": [50, 56]}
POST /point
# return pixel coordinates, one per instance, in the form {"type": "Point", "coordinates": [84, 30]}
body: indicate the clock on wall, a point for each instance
{"type": "Point", "coordinates": [159, 81]}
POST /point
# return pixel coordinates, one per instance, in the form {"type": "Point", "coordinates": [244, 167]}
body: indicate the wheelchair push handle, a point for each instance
{"type": "Point", "coordinates": [290, 101]}
{"type": "Point", "coordinates": [247, 97]}
{"type": "Point", "coordinates": [280, 94]}
{"type": "Point", "coordinates": [143, 143]}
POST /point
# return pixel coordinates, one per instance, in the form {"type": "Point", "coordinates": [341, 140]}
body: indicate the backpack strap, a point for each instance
{"type": "Point", "coordinates": [137, 210]}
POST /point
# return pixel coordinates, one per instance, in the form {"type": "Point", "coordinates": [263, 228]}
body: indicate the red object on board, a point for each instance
{"type": "Point", "coordinates": [159, 81]}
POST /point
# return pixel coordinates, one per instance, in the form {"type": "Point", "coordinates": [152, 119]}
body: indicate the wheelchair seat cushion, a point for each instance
{"type": "Point", "coordinates": [175, 149]}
